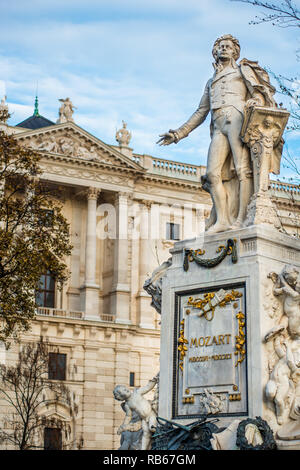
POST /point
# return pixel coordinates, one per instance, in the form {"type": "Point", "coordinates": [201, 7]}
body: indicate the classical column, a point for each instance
{"type": "Point", "coordinates": [120, 293]}
{"type": "Point", "coordinates": [91, 239]}
{"type": "Point", "coordinates": [90, 289]}
{"type": "Point", "coordinates": [146, 265]}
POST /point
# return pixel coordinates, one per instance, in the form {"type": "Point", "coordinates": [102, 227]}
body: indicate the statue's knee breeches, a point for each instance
{"type": "Point", "coordinates": [214, 178]}
{"type": "Point", "coordinates": [243, 173]}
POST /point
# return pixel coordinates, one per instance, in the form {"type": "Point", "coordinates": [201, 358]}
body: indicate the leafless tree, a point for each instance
{"type": "Point", "coordinates": [26, 389]}
{"type": "Point", "coordinates": [283, 13]}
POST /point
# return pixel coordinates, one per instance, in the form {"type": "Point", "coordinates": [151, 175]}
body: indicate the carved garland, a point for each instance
{"type": "Point", "coordinates": [194, 255]}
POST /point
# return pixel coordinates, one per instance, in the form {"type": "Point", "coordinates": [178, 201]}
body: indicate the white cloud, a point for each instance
{"type": "Point", "coordinates": [144, 62]}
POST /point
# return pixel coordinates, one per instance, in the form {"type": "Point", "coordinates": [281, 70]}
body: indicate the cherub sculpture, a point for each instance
{"type": "Point", "coordinates": [134, 402]}
{"type": "Point", "coordinates": [281, 383]}
{"type": "Point", "coordinates": [287, 283]}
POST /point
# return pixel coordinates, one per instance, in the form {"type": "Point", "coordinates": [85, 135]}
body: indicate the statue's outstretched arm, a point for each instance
{"type": "Point", "coordinates": [197, 118]}
{"type": "Point", "coordinates": [150, 385]}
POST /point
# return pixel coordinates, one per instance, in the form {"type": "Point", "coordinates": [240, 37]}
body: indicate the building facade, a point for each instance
{"type": "Point", "coordinates": [125, 212]}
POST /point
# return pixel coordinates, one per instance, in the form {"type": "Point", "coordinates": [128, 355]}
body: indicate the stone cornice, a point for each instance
{"type": "Point", "coordinates": [80, 168]}
{"type": "Point", "coordinates": [182, 183]}
{"type": "Point", "coordinates": [81, 162]}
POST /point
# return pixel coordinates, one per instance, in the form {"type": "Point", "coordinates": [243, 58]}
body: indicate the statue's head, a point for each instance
{"type": "Point", "coordinates": [268, 121]}
{"type": "Point", "coordinates": [121, 392]}
{"type": "Point", "coordinates": [290, 274]}
{"type": "Point", "coordinates": [226, 47]}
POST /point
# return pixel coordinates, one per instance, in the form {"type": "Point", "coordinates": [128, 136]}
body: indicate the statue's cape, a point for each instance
{"type": "Point", "coordinates": [257, 79]}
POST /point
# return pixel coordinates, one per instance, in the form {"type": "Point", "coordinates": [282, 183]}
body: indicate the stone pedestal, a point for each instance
{"type": "Point", "coordinates": [218, 308]}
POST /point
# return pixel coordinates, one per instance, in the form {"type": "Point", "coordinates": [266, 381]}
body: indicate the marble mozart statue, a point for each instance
{"type": "Point", "coordinates": [228, 96]}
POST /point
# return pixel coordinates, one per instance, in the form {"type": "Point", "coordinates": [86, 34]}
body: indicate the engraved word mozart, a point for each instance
{"type": "Point", "coordinates": [205, 341]}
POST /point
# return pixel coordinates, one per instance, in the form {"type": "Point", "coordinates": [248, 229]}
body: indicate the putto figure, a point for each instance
{"type": "Point", "coordinates": [134, 402]}
{"type": "Point", "coordinates": [232, 89]}
{"type": "Point", "coordinates": [287, 284]}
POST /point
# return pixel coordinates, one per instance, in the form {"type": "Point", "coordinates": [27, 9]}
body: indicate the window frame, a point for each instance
{"type": "Point", "coordinates": [59, 372]}
{"type": "Point", "coordinates": [44, 292]}
{"type": "Point", "coordinates": [171, 228]}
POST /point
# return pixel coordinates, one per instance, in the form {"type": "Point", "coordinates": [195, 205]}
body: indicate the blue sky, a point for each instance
{"type": "Point", "coordinates": [145, 62]}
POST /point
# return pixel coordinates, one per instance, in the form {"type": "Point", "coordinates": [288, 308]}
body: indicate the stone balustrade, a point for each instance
{"type": "Point", "coordinates": [163, 167]}
{"type": "Point", "coordinates": [56, 312]}
{"type": "Point", "coordinates": [285, 190]}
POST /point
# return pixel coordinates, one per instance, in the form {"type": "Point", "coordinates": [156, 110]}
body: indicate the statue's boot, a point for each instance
{"type": "Point", "coordinates": [245, 194]}
{"type": "Point", "coordinates": [219, 227]}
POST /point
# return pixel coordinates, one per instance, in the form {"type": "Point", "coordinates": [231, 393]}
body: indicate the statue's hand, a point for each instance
{"type": "Point", "coordinates": [253, 102]}
{"type": "Point", "coordinates": [167, 138]}
{"type": "Point", "coordinates": [120, 430]}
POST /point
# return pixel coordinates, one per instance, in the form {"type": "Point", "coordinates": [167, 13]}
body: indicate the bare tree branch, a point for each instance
{"type": "Point", "coordinates": [283, 13]}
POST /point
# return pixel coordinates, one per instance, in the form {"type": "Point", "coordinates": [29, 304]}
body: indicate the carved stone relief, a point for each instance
{"type": "Point", "coordinates": [283, 386]}
{"type": "Point", "coordinates": [71, 144]}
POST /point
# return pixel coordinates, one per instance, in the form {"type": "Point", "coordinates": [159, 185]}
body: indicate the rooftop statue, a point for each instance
{"type": "Point", "coordinates": [3, 107]}
{"type": "Point", "coordinates": [233, 90]}
{"type": "Point", "coordinates": [123, 135]}
{"type": "Point", "coordinates": [65, 111]}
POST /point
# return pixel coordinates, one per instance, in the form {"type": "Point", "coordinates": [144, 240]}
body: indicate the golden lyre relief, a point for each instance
{"type": "Point", "coordinates": [211, 300]}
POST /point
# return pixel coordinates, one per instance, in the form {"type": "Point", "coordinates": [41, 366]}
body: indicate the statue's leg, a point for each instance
{"type": "Point", "coordinates": [217, 154]}
{"type": "Point", "coordinates": [280, 397]}
{"type": "Point", "coordinates": [241, 159]}
{"type": "Point", "coordinates": [146, 438]}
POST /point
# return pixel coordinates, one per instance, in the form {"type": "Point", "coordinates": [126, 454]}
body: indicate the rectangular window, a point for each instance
{"type": "Point", "coordinates": [57, 366]}
{"type": "Point", "coordinates": [172, 231]}
{"type": "Point", "coordinates": [52, 439]}
{"type": "Point", "coordinates": [131, 379]}
{"type": "Point", "coordinates": [45, 294]}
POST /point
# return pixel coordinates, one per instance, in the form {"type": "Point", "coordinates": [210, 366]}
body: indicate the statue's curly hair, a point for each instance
{"type": "Point", "coordinates": [228, 37]}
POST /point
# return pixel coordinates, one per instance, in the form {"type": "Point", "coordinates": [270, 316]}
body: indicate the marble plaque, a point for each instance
{"type": "Point", "coordinates": [210, 357]}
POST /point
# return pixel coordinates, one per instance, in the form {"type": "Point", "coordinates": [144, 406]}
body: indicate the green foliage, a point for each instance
{"type": "Point", "coordinates": [34, 235]}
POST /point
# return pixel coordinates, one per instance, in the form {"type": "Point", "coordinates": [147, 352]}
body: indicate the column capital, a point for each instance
{"type": "Point", "coordinates": [122, 196]}
{"type": "Point", "coordinates": [92, 193]}
{"type": "Point", "coordinates": [146, 203]}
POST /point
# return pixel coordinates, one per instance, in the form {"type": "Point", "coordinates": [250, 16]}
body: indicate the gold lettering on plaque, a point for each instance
{"type": "Point", "coordinates": [206, 341]}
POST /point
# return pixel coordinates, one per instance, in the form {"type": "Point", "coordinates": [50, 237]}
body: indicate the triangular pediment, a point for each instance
{"type": "Point", "coordinates": [72, 141]}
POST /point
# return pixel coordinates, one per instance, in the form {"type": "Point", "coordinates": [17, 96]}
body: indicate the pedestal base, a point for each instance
{"type": "Point", "coordinates": [262, 211]}
{"type": "Point", "coordinates": [214, 357]}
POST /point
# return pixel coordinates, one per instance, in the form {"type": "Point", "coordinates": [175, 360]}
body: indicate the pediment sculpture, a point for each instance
{"type": "Point", "coordinates": [66, 146]}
